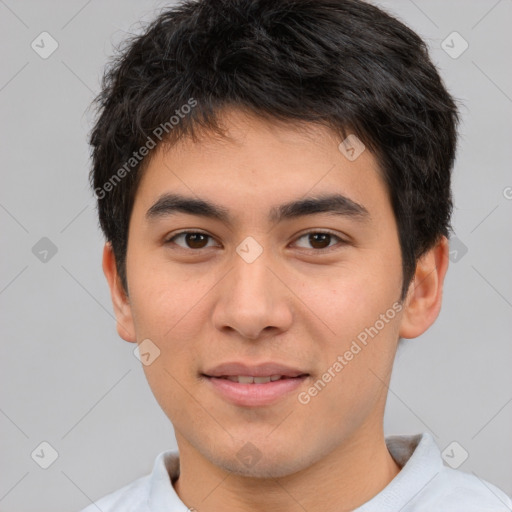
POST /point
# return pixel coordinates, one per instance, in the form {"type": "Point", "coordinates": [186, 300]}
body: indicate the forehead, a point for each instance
{"type": "Point", "coordinates": [260, 165]}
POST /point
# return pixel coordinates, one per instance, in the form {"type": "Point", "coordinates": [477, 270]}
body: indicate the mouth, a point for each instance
{"type": "Point", "coordinates": [254, 386]}
{"type": "Point", "coordinates": [248, 379]}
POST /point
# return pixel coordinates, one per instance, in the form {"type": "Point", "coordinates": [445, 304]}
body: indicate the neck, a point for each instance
{"type": "Point", "coordinates": [349, 476]}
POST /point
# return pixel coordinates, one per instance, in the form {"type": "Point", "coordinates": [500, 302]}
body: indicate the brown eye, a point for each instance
{"type": "Point", "coordinates": [319, 240]}
{"type": "Point", "coordinates": [192, 240]}
{"type": "Point", "coordinates": [195, 240]}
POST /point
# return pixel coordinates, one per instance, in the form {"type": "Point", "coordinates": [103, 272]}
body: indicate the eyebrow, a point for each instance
{"type": "Point", "coordinates": [335, 204]}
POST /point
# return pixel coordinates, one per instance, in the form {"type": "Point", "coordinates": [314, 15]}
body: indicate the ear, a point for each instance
{"type": "Point", "coordinates": [424, 297]}
{"type": "Point", "coordinates": [120, 301]}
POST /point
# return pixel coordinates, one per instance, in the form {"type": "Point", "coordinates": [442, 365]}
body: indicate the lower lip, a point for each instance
{"type": "Point", "coordinates": [254, 395]}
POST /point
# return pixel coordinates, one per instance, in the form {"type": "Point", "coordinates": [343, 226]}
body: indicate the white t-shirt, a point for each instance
{"type": "Point", "coordinates": [424, 484]}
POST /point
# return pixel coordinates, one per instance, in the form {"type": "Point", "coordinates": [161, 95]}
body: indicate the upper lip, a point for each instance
{"type": "Point", "coordinates": [259, 370]}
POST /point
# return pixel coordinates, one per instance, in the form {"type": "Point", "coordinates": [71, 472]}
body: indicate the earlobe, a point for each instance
{"type": "Point", "coordinates": [424, 297]}
{"type": "Point", "coordinates": [120, 301]}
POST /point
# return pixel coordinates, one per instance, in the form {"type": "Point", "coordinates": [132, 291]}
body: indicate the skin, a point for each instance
{"type": "Point", "coordinates": [298, 304]}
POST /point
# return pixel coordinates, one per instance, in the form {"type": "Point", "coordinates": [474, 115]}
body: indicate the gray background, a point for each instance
{"type": "Point", "coordinates": [66, 376]}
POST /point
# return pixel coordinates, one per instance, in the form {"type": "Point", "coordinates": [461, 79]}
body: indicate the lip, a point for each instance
{"type": "Point", "coordinates": [254, 395]}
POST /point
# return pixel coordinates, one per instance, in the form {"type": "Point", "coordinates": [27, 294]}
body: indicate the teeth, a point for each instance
{"type": "Point", "coordinates": [261, 380]}
{"type": "Point", "coordinates": [247, 379]}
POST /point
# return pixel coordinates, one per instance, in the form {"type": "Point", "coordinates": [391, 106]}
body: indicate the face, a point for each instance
{"type": "Point", "coordinates": [306, 293]}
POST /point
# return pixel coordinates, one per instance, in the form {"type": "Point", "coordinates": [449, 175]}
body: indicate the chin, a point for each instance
{"type": "Point", "coordinates": [252, 463]}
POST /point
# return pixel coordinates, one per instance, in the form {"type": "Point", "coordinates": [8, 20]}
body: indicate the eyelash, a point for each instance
{"type": "Point", "coordinates": [316, 232]}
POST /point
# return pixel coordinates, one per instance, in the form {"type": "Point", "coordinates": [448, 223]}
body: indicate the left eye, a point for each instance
{"type": "Point", "coordinates": [319, 239]}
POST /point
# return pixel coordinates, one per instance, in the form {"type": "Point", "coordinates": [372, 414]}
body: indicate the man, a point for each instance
{"type": "Point", "coordinates": [273, 181]}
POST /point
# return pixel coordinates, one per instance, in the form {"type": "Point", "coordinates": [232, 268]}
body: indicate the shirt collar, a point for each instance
{"type": "Point", "coordinates": [420, 462]}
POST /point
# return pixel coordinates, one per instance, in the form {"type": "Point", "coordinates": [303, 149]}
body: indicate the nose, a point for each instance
{"type": "Point", "coordinates": [253, 301]}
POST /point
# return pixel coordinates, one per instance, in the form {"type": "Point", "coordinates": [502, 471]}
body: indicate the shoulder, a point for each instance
{"type": "Point", "coordinates": [130, 498]}
{"type": "Point", "coordinates": [426, 483]}
{"type": "Point", "coordinates": [456, 491]}
{"type": "Point", "coordinates": [147, 493]}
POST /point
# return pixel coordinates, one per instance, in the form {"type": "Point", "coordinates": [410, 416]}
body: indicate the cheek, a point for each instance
{"type": "Point", "coordinates": [352, 298]}
{"type": "Point", "coordinates": [350, 384]}
{"type": "Point", "coordinates": [168, 308]}
{"type": "Point", "coordinates": [361, 309]}
{"type": "Point", "coordinates": [161, 295]}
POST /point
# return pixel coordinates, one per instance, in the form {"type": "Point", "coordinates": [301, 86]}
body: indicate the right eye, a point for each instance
{"type": "Point", "coordinates": [193, 240]}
